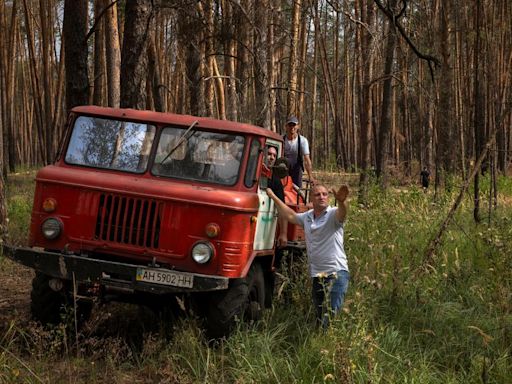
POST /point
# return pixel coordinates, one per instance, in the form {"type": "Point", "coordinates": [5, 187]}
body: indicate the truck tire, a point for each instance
{"type": "Point", "coordinates": [48, 306]}
{"type": "Point", "coordinates": [243, 300]}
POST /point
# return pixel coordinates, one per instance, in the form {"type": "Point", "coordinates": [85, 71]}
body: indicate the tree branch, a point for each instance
{"type": "Point", "coordinates": [97, 19]}
{"type": "Point", "coordinates": [431, 60]}
{"type": "Point", "coordinates": [434, 243]}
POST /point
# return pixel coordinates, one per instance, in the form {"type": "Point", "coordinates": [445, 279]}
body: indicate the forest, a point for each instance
{"type": "Point", "coordinates": [378, 85]}
{"type": "Point", "coordinates": [382, 89]}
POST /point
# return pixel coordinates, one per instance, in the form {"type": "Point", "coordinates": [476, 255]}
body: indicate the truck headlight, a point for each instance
{"type": "Point", "coordinates": [202, 252]}
{"type": "Point", "coordinates": [51, 228]}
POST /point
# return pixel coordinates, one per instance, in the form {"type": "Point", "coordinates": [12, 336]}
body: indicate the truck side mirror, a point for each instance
{"type": "Point", "coordinates": [281, 167]}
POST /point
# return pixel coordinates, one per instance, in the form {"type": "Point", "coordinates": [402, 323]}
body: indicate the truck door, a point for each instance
{"type": "Point", "coordinates": [267, 213]}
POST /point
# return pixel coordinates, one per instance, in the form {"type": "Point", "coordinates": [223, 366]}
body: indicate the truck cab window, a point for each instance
{"type": "Point", "coordinates": [200, 155]}
{"type": "Point", "coordinates": [110, 144]}
{"type": "Point", "coordinates": [252, 165]}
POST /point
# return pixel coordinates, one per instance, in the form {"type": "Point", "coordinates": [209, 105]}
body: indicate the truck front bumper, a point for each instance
{"type": "Point", "coordinates": [123, 276]}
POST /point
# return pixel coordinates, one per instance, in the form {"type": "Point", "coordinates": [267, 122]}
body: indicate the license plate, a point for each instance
{"type": "Point", "coordinates": [156, 276]}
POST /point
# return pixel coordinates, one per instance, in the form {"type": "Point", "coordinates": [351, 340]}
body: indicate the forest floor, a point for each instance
{"type": "Point", "coordinates": [14, 292]}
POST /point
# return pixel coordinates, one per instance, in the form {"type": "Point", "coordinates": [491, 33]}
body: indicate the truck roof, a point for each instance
{"type": "Point", "coordinates": [172, 118]}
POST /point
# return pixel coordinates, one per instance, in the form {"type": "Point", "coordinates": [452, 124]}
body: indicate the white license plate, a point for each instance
{"type": "Point", "coordinates": [156, 276]}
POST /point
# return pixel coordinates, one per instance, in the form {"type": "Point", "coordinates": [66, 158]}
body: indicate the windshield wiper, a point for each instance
{"type": "Point", "coordinates": [180, 141]}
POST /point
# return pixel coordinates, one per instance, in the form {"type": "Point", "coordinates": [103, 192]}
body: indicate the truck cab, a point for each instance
{"type": "Point", "coordinates": [143, 206]}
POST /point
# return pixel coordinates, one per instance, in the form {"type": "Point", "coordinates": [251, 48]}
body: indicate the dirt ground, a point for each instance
{"type": "Point", "coordinates": [14, 292]}
{"type": "Point", "coordinates": [109, 321]}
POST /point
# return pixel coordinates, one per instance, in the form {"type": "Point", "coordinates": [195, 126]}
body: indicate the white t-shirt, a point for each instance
{"type": "Point", "coordinates": [324, 241]}
{"type": "Point", "coordinates": [291, 149]}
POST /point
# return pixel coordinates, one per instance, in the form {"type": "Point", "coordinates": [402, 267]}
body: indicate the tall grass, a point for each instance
{"type": "Point", "coordinates": [402, 323]}
{"type": "Point", "coordinates": [19, 194]}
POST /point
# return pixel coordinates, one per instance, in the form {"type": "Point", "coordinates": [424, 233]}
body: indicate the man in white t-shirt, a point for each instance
{"type": "Point", "coordinates": [296, 151]}
{"type": "Point", "coordinates": [323, 227]}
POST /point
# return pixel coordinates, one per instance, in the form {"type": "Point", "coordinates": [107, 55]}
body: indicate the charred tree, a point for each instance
{"type": "Point", "coordinates": [75, 45]}
{"type": "Point", "coordinates": [134, 57]}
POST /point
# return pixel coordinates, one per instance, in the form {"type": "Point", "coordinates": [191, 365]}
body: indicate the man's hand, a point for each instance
{"type": "Point", "coordinates": [282, 241]}
{"type": "Point", "coordinates": [341, 194]}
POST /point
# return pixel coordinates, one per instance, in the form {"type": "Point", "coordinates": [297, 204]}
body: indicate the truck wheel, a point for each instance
{"type": "Point", "coordinates": [49, 307]}
{"type": "Point", "coordinates": [243, 300]}
{"type": "Point", "coordinates": [256, 298]}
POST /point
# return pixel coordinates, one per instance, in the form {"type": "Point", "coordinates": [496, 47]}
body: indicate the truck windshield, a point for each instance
{"type": "Point", "coordinates": [110, 144]}
{"type": "Point", "coordinates": [199, 155]}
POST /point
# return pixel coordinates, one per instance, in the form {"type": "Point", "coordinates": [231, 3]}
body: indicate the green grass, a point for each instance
{"type": "Point", "coordinates": [19, 194]}
{"type": "Point", "coordinates": [450, 322]}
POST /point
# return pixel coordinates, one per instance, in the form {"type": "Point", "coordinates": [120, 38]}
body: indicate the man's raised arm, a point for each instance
{"type": "Point", "coordinates": [341, 198]}
{"type": "Point", "coordinates": [282, 208]}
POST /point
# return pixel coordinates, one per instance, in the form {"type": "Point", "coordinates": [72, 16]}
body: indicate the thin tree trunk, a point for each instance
{"type": "Point", "coordinates": [10, 100]}
{"type": "Point", "coordinates": [459, 103]}
{"type": "Point", "coordinates": [446, 139]}
{"type": "Point", "coordinates": [208, 52]}
{"type": "Point", "coordinates": [75, 29]}
{"type": "Point", "coordinates": [190, 53]}
{"type": "Point", "coordinates": [479, 117]}
{"type": "Point", "coordinates": [44, 10]}
{"type": "Point", "coordinates": [35, 85]}
{"type": "Point", "coordinates": [3, 209]}
{"type": "Point", "coordinates": [385, 120]}
{"type": "Point", "coordinates": [3, 97]}
{"type": "Point", "coordinates": [113, 56]}
{"type": "Point", "coordinates": [340, 147]}
{"type": "Point", "coordinates": [291, 100]}
{"type": "Point", "coordinates": [154, 78]}
{"type": "Point", "coordinates": [302, 51]}
{"type": "Point", "coordinates": [229, 59]}
{"type": "Point", "coordinates": [364, 75]}
{"type": "Point", "coordinates": [313, 100]}
{"type": "Point", "coordinates": [99, 56]}
{"type": "Point", "coordinates": [58, 107]}
{"type": "Point", "coordinates": [193, 68]}
{"type": "Point", "coordinates": [219, 86]}
{"type": "Point", "coordinates": [213, 67]}
{"type": "Point", "coordinates": [260, 65]}
{"type": "Point", "coordinates": [271, 66]}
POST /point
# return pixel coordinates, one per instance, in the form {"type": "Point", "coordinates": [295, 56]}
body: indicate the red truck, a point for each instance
{"type": "Point", "coordinates": [143, 206]}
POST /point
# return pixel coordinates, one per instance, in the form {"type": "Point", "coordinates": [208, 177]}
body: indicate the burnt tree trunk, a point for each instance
{"type": "Point", "coordinates": [365, 100]}
{"type": "Point", "coordinates": [134, 57]}
{"type": "Point", "coordinates": [75, 45]}
{"type": "Point", "coordinates": [385, 120]}
{"type": "Point", "coordinates": [479, 121]}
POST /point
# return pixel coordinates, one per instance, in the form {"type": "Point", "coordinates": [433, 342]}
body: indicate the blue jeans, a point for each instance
{"type": "Point", "coordinates": [328, 295]}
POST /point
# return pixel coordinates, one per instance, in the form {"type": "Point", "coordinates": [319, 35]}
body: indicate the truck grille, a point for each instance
{"type": "Point", "coordinates": [128, 220]}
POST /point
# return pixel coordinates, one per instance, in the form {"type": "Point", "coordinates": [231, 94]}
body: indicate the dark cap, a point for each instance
{"type": "Point", "coordinates": [292, 120]}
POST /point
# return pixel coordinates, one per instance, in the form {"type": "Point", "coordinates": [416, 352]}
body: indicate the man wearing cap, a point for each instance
{"type": "Point", "coordinates": [296, 151]}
